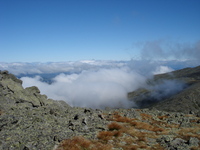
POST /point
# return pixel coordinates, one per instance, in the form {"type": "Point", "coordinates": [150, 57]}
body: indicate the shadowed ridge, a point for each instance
{"type": "Point", "coordinates": [185, 100]}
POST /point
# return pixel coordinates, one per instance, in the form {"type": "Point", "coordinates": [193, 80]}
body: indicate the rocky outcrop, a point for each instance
{"type": "Point", "coordinates": [31, 121]}
{"type": "Point", "coordinates": [28, 120]}
{"type": "Point", "coordinates": [145, 129]}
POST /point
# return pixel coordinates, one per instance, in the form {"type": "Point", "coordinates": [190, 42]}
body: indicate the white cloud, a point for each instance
{"type": "Point", "coordinates": [58, 67]}
{"type": "Point", "coordinates": [95, 89]}
{"type": "Point", "coordinates": [105, 85]}
{"type": "Point", "coordinates": [162, 69]}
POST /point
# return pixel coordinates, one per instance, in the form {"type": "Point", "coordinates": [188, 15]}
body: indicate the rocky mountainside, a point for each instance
{"type": "Point", "coordinates": [31, 121]}
{"type": "Point", "coordinates": [186, 100]}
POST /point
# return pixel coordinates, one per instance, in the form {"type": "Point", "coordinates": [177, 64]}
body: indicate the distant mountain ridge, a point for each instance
{"type": "Point", "coordinates": [186, 100]}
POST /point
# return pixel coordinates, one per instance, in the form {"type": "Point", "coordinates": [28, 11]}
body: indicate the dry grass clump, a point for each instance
{"type": "Point", "coordinates": [130, 147]}
{"type": "Point", "coordinates": [119, 118]}
{"type": "Point", "coordinates": [114, 126]}
{"type": "Point", "coordinates": [114, 131]}
{"type": "Point", "coordinates": [133, 134]}
{"type": "Point", "coordinates": [163, 117]}
{"type": "Point", "coordinates": [186, 133]}
{"type": "Point", "coordinates": [145, 116]}
{"type": "Point", "coordinates": [146, 126]}
{"type": "Point", "coordinates": [133, 138]}
{"type": "Point", "coordinates": [194, 148]}
{"type": "Point", "coordinates": [74, 144]}
{"type": "Point", "coordinates": [138, 135]}
{"type": "Point", "coordinates": [164, 124]}
{"type": "Point", "coordinates": [80, 143]}
{"type": "Point", "coordinates": [108, 135]}
{"type": "Point", "coordinates": [195, 121]}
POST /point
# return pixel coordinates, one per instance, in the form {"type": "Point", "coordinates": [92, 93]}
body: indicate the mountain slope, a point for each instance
{"type": "Point", "coordinates": [31, 121]}
{"type": "Point", "coordinates": [185, 100]}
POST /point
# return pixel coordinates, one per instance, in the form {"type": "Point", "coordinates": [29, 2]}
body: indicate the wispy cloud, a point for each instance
{"type": "Point", "coordinates": [165, 49]}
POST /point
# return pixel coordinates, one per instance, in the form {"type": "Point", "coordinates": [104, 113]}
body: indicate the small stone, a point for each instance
{"type": "Point", "coordinates": [194, 142]}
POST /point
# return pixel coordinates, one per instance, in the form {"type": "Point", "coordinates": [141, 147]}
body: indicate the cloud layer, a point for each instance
{"type": "Point", "coordinates": [103, 87]}
{"type": "Point", "coordinates": [19, 68]}
{"type": "Point", "coordinates": [94, 89]}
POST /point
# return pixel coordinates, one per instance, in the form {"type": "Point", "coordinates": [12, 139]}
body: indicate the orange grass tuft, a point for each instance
{"type": "Point", "coordinates": [194, 148]}
{"type": "Point", "coordinates": [132, 134]}
{"type": "Point", "coordinates": [186, 133]}
{"type": "Point", "coordinates": [128, 140]}
{"type": "Point", "coordinates": [141, 137]}
{"type": "Point", "coordinates": [162, 117]}
{"type": "Point", "coordinates": [108, 135]}
{"type": "Point", "coordinates": [80, 143]}
{"type": "Point", "coordinates": [146, 126]}
{"type": "Point", "coordinates": [117, 133]}
{"type": "Point", "coordinates": [100, 146]}
{"type": "Point", "coordinates": [119, 118]}
{"type": "Point", "coordinates": [114, 126]}
{"type": "Point", "coordinates": [195, 120]}
{"type": "Point", "coordinates": [143, 146]}
{"type": "Point", "coordinates": [138, 135]}
{"type": "Point", "coordinates": [105, 135]}
{"type": "Point", "coordinates": [130, 147]}
{"type": "Point", "coordinates": [145, 116]}
{"type": "Point", "coordinates": [76, 143]}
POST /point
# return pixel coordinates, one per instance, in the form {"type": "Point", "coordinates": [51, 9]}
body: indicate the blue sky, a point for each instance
{"type": "Point", "coordinates": [71, 30]}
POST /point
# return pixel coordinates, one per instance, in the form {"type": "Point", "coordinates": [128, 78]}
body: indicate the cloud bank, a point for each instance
{"type": "Point", "coordinates": [24, 68]}
{"type": "Point", "coordinates": [104, 87]}
{"type": "Point", "coordinates": [94, 89]}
